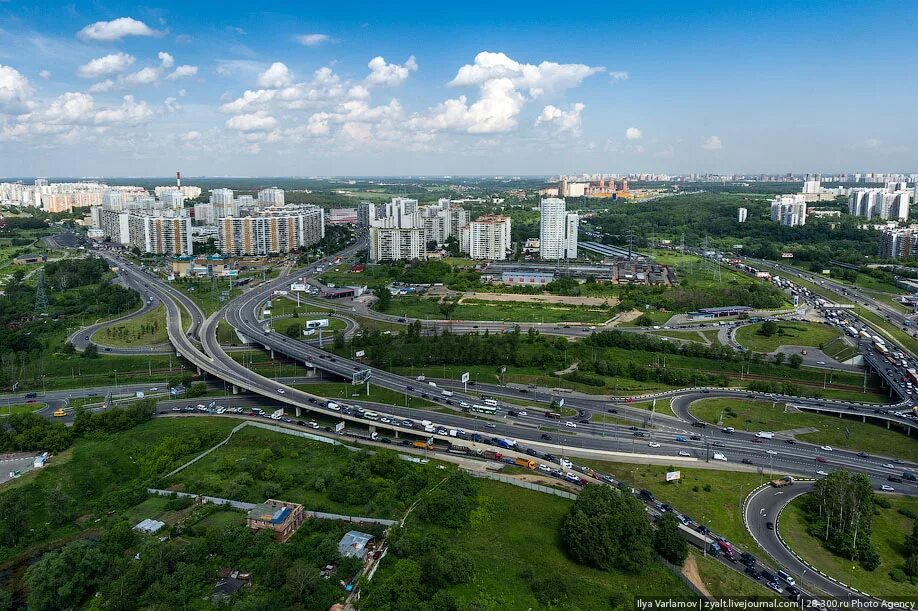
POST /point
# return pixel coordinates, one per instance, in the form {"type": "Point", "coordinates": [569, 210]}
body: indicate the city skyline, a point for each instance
{"type": "Point", "coordinates": [139, 91]}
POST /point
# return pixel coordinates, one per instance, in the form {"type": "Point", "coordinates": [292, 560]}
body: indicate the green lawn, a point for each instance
{"type": "Point", "coordinates": [479, 309]}
{"type": "Point", "coordinates": [839, 350]}
{"type": "Point", "coordinates": [18, 408]}
{"type": "Point", "coordinates": [722, 581]}
{"type": "Point", "coordinates": [692, 336]}
{"type": "Point", "coordinates": [719, 507]}
{"type": "Point", "coordinates": [514, 532]}
{"type": "Point", "coordinates": [749, 415]}
{"type": "Point", "coordinates": [889, 530]}
{"type": "Point", "coordinates": [791, 333]}
{"type": "Point", "coordinates": [75, 371]}
{"type": "Point", "coordinates": [145, 330]}
{"type": "Point", "coordinates": [209, 294]}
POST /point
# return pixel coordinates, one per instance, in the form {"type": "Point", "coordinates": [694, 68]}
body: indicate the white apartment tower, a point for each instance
{"type": "Point", "coordinates": [789, 210]}
{"type": "Point", "coordinates": [271, 197]}
{"type": "Point", "coordinates": [488, 237]}
{"type": "Point", "coordinates": [558, 230]}
{"type": "Point", "coordinates": [742, 214]}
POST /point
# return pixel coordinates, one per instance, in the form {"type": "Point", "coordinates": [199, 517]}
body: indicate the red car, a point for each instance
{"type": "Point", "coordinates": [821, 459]}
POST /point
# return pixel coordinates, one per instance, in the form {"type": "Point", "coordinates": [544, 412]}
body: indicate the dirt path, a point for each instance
{"type": "Point", "coordinates": [544, 298]}
{"type": "Point", "coordinates": [690, 570]}
{"type": "Point", "coordinates": [571, 369]}
{"type": "Point", "coordinates": [547, 481]}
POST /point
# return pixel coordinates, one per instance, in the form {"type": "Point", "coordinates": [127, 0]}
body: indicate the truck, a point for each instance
{"type": "Point", "coordinates": [765, 435]}
{"type": "Point", "coordinates": [455, 449]}
{"type": "Point", "coordinates": [423, 445]}
{"type": "Point", "coordinates": [491, 402]}
{"type": "Point", "coordinates": [505, 443]}
{"type": "Point", "coordinates": [446, 393]}
{"type": "Point", "coordinates": [492, 455]}
{"type": "Point", "coordinates": [727, 549]}
{"type": "Point", "coordinates": [523, 462]}
{"type": "Point", "coordinates": [453, 432]}
{"type": "Point", "coordinates": [781, 483]}
{"type": "Point", "coordinates": [139, 394]}
{"type": "Point", "coordinates": [719, 456]}
{"type": "Point", "coordinates": [429, 428]}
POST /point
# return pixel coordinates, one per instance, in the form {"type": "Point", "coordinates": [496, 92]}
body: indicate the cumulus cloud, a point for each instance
{"type": "Point", "coordinates": [619, 75]}
{"type": "Point", "coordinates": [129, 113]}
{"type": "Point", "coordinates": [191, 136]}
{"type": "Point", "coordinates": [116, 29]}
{"type": "Point", "coordinates": [15, 91]}
{"type": "Point", "coordinates": [313, 40]}
{"type": "Point", "coordinates": [562, 120]}
{"type": "Point", "coordinates": [494, 112]}
{"type": "Point", "coordinates": [183, 71]}
{"type": "Point", "coordinates": [633, 133]}
{"type": "Point", "coordinates": [105, 65]}
{"type": "Point", "coordinates": [389, 75]}
{"type": "Point", "coordinates": [543, 79]}
{"type": "Point", "coordinates": [166, 60]}
{"type": "Point", "coordinates": [712, 143]}
{"type": "Point", "coordinates": [146, 76]}
{"type": "Point", "coordinates": [102, 86]}
{"type": "Point", "coordinates": [275, 77]}
{"type": "Point", "coordinates": [79, 109]}
{"type": "Point", "coordinates": [45, 74]}
{"type": "Point", "coordinates": [256, 121]}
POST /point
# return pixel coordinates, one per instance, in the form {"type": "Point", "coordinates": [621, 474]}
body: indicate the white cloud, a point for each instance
{"type": "Point", "coordinates": [171, 104]}
{"type": "Point", "coordinates": [494, 112]}
{"type": "Point", "coordinates": [15, 91]}
{"type": "Point", "coordinates": [166, 60]}
{"type": "Point", "coordinates": [562, 120]}
{"type": "Point", "coordinates": [712, 143]}
{"type": "Point", "coordinates": [102, 86]}
{"type": "Point", "coordinates": [183, 71]}
{"type": "Point", "coordinates": [192, 136]}
{"type": "Point", "coordinates": [105, 65]}
{"type": "Point", "coordinates": [619, 75]}
{"type": "Point", "coordinates": [544, 79]}
{"type": "Point", "coordinates": [145, 76]}
{"type": "Point", "coordinates": [71, 108]}
{"type": "Point", "coordinates": [257, 121]}
{"type": "Point", "coordinates": [275, 77]}
{"type": "Point", "coordinates": [389, 75]}
{"type": "Point", "coordinates": [129, 113]}
{"type": "Point", "coordinates": [313, 40]}
{"type": "Point", "coordinates": [116, 29]}
{"type": "Point", "coordinates": [45, 74]}
{"type": "Point", "coordinates": [633, 133]}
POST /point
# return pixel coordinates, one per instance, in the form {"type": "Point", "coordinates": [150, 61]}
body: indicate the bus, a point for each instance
{"type": "Point", "coordinates": [483, 409]}
{"type": "Point", "coordinates": [370, 415]}
{"type": "Point", "coordinates": [564, 390]}
{"type": "Point", "coordinates": [491, 402]}
{"type": "Point", "coordinates": [554, 415]}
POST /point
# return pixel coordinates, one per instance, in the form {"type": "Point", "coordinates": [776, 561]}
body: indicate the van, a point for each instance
{"type": "Point", "coordinates": [491, 402]}
{"type": "Point", "coordinates": [719, 456]}
{"type": "Point", "coordinates": [565, 463]}
{"type": "Point", "coordinates": [790, 580]}
{"type": "Point", "coordinates": [333, 406]}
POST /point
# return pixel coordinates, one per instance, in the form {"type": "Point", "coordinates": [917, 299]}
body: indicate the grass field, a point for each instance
{"type": "Point", "coordinates": [748, 415]}
{"type": "Point", "coordinates": [789, 334]}
{"type": "Point", "coordinates": [19, 408]}
{"type": "Point", "coordinates": [471, 309]}
{"type": "Point", "coordinates": [710, 497]}
{"type": "Point", "coordinates": [514, 532]}
{"type": "Point", "coordinates": [889, 530]}
{"type": "Point", "coordinates": [839, 350]}
{"type": "Point", "coordinates": [78, 372]}
{"type": "Point", "coordinates": [145, 330]}
{"type": "Point", "coordinates": [208, 293]}
{"type": "Point", "coordinates": [692, 336]}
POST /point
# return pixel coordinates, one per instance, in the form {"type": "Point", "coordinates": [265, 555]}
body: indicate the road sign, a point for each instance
{"type": "Point", "coordinates": [339, 427]}
{"type": "Point", "coordinates": [465, 378]}
{"type": "Point", "coordinates": [360, 354]}
{"type": "Point", "coordinates": [672, 476]}
{"type": "Point", "coordinates": [359, 377]}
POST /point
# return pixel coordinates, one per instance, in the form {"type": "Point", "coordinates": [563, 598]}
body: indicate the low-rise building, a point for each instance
{"type": "Point", "coordinates": [282, 517]}
{"type": "Point", "coordinates": [355, 544]}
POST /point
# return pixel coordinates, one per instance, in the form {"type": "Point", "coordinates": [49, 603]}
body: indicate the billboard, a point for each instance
{"type": "Point", "coordinates": [320, 323]}
{"type": "Point", "coordinates": [298, 288]}
{"type": "Point", "coordinates": [360, 354]}
{"type": "Point", "coordinates": [465, 377]}
{"type": "Point", "coordinates": [339, 427]}
{"type": "Point", "coordinates": [787, 255]}
{"type": "Point", "coordinates": [672, 476]}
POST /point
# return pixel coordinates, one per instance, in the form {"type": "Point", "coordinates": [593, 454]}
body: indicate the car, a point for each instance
{"type": "Point", "coordinates": [790, 441]}
{"type": "Point", "coordinates": [889, 465]}
{"type": "Point", "coordinates": [863, 454]}
{"type": "Point", "coordinates": [822, 473]}
{"type": "Point", "coordinates": [653, 444]}
{"type": "Point", "coordinates": [491, 425]}
{"type": "Point", "coordinates": [746, 461]}
{"type": "Point", "coordinates": [821, 459]}
{"type": "Point", "coordinates": [750, 570]}
{"type": "Point", "coordinates": [544, 468]}
{"type": "Point", "coordinates": [545, 436]}
{"type": "Point", "coordinates": [612, 411]}
{"type": "Point", "coordinates": [280, 391]}
{"type": "Point", "coordinates": [770, 525]}
{"type": "Point", "coordinates": [638, 433]}
{"type": "Point", "coordinates": [826, 448]}
{"type": "Point", "coordinates": [570, 425]}
{"type": "Point", "coordinates": [442, 432]}
{"type": "Point", "coordinates": [757, 440]}
{"type": "Point", "coordinates": [772, 452]}
{"type": "Point", "coordinates": [774, 585]}
{"type": "Point", "coordinates": [522, 413]}
{"type": "Point", "coordinates": [699, 424]}
{"type": "Point", "coordinates": [512, 413]}
{"type": "Point", "coordinates": [894, 479]}
{"type": "Point", "coordinates": [684, 453]}
{"type": "Point", "coordinates": [887, 488]}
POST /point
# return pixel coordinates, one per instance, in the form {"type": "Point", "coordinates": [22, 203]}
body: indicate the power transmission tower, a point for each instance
{"type": "Point", "coordinates": [41, 299]}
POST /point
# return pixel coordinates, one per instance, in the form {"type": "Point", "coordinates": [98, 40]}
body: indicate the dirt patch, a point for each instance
{"type": "Point", "coordinates": [690, 570]}
{"type": "Point", "coordinates": [570, 369]}
{"type": "Point", "coordinates": [551, 482]}
{"type": "Point", "coordinates": [628, 316]}
{"type": "Point", "coordinates": [545, 298]}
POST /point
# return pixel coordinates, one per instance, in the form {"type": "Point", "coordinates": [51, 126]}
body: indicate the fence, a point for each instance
{"type": "Point", "coordinates": [528, 485]}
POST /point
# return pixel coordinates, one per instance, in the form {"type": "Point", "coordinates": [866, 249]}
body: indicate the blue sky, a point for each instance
{"type": "Point", "coordinates": [230, 88]}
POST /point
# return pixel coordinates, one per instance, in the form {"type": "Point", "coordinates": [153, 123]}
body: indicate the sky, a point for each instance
{"type": "Point", "coordinates": [418, 88]}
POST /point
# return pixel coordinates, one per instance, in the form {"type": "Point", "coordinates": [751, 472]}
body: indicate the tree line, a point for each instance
{"type": "Point", "coordinates": [840, 512]}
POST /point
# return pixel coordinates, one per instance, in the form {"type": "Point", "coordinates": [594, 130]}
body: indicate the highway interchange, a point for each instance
{"type": "Point", "coordinates": [583, 436]}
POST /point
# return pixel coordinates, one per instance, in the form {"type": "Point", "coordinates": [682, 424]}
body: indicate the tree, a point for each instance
{"type": "Point", "coordinates": [446, 308]}
{"type": "Point", "coordinates": [779, 357]}
{"type": "Point", "coordinates": [338, 342]}
{"type": "Point", "coordinates": [64, 578]}
{"type": "Point", "coordinates": [668, 542]}
{"type": "Point", "coordinates": [795, 360]}
{"type": "Point", "coordinates": [383, 298]}
{"type": "Point", "coordinates": [643, 321]}
{"type": "Point", "coordinates": [768, 328]}
{"type": "Point", "coordinates": [68, 348]}
{"type": "Point", "coordinates": [91, 352]}
{"type": "Point", "coordinates": [294, 331]}
{"type": "Point", "coordinates": [196, 389]}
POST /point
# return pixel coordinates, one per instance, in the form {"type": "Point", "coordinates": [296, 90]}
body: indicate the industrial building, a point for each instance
{"type": "Point", "coordinates": [613, 272]}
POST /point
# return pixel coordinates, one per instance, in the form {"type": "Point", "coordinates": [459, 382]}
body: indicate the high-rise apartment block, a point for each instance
{"type": "Point", "coordinates": [887, 203]}
{"type": "Point", "coordinates": [273, 230]}
{"type": "Point", "coordinates": [742, 214]}
{"type": "Point", "coordinates": [488, 237]}
{"type": "Point", "coordinates": [789, 210]}
{"type": "Point", "coordinates": [271, 197]}
{"type": "Point", "coordinates": [558, 230]}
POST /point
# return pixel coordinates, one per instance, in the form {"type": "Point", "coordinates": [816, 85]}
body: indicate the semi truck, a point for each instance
{"type": "Point", "coordinates": [765, 435]}
{"type": "Point", "coordinates": [505, 443]}
{"type": "Point", "coordinates": [781, 483]}
{"type": "Point", "coordinates": [492, 455]}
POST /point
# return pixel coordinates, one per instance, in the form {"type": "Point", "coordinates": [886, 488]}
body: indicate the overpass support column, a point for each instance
{"type": "Point", "coordinates": [272, 354]}
{"type": "Point", "coordinates": [396, 433]}
{"type": "Point", "coordinates": [863, 418]}
{"type": "Point", "coordinates": [887, 425]}
{"type": "Point", "coordinates": [235, 389]}
{"type": "Point", "coordinates": [297, 411]}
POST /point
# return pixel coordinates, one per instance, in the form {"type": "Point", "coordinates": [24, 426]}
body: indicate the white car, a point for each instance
{"type": "Point", "coordinates": [280, 391]}
{"type": "Point", "coordinates": [887, 488]}
{"type": "Point", "coordinates": [889, 465]}
{"type": "Point", "coordinates": [823, 473]}
{"type": "Point", "coordinates": [772, 452]}
{"type": "Point", "coordinates": [653, 444]}
{"type": "Point", "coordinates": [684, 453]}
{"type": "Point", "coordinates": [544, 468]}
{"type": "Point", "coordinates": [314, 424]}
{"type": "Point", "coordinates": [522, 413]}
{"type": "Point", "coordinates": [826, 448]}
{"type": "Point", "coordinates": [570, 425]}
